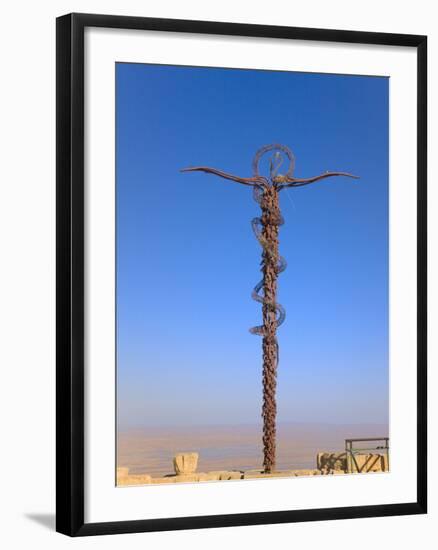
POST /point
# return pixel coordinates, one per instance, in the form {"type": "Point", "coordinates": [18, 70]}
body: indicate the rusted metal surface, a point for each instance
{"type": "Point", "coordinates": [266, 229]}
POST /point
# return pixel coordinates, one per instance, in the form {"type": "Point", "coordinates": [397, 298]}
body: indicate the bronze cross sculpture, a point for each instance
{"type": "Point", "coordinates": [266, 230]}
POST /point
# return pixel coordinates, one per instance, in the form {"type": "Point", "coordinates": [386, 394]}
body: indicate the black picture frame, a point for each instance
{"type": "Point", "coordinates": [70, 273]}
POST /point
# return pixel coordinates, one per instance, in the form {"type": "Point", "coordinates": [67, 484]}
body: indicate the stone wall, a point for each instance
{"type": "Point", "coordinates": [327, 463]}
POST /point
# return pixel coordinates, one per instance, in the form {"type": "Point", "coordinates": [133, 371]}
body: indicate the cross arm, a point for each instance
{"type": "Point", "coordinates": [286, 181]}
{"type": "Point", "coordinates": [254, 181]}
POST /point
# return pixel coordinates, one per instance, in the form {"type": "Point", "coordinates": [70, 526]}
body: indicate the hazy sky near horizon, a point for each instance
{"type": "Point", "coordinates": [187, 259]}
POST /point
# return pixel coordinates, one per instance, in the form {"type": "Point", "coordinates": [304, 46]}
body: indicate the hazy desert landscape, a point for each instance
{"type": "Point", "coordinates": [151, 450]}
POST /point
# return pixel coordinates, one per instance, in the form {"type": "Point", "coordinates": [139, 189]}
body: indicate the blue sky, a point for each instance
{"type": "Point", "coordinates": [187, 259]}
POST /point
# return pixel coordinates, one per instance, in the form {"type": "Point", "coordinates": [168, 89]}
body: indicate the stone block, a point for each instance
{"type": "Point", "coordinates": [186, 478]}
{"type": "Point", "coordinates": [122, 474]}
{"type": "Point", "coordinates": [262, 475]}
{"type": "Point", "coordinates": [230, 475]}
{"type": "Point", "coordinates": [249, 475]}
{"type": "Point", "coordinates": [185, 463]}
{"type": "Point", "coordinates": [209, 476]}
{"type": "Point", "coordinates": [169, 479]}
{"type": "Point", "coordinates": [142, 479]}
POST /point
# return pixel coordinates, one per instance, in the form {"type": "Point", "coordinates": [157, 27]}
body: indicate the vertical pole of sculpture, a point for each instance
{"type": "Point", "coordinates": [266, 229]}
{"type": "Point", "coordinates": [270, 219]}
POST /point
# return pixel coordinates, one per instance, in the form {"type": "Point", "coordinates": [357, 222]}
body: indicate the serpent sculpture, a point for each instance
{"type": "Point", "coordinates": [266, 229]}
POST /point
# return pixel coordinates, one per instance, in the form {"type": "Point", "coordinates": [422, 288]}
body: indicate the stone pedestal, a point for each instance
{"type": "Point", "coordinates": [185, 463]}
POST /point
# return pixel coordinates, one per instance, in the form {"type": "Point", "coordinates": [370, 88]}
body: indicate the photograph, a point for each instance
{"type": "Point", "coordinates": [252, 274]}
{"type": "Point", "coordinates": [216, 274]}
